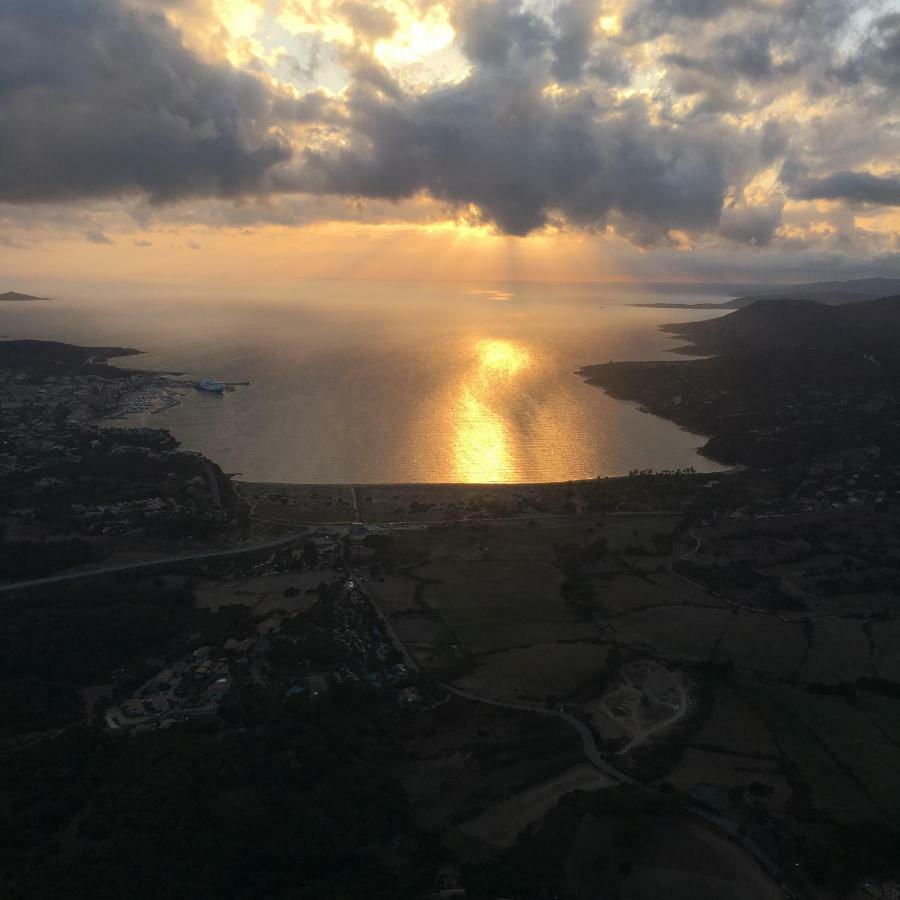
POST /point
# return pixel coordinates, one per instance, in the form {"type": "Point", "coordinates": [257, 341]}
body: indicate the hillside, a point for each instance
{"type": "Point", "coordinates": [792, 381]}
{"type": "Point", "coordinates": [774, 324]}
{"type": "Point", "coordinates": [31, 356]}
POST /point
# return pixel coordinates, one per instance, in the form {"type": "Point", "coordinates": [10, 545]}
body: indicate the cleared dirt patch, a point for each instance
{"type": "Point", "coordinates": [644, 699]}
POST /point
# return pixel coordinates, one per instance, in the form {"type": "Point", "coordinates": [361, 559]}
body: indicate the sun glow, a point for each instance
{"type": "Point", "coordinates": [501, 358]}
{"type": "Point", "coordinates": [416, 39]}
{"type": "Point", "coordinates": [483, 449]}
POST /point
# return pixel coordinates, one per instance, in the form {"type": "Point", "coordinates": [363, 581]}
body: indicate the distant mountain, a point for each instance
{"type": "Point", "coordinates": [42, 356]}
{"type": "Point", "coordinates": [831, 293]}
{"type": "Point", "coordinates": [16, 297]}
{"type": "Point", "coordinates": [778, 324]}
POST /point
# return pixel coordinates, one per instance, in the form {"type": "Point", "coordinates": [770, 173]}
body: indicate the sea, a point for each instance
{"type": "Point", "coordinates": [397, 382]}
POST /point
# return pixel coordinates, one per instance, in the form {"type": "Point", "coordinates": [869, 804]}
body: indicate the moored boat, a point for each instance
{"type": "Point", "coordinates": [210, 384]}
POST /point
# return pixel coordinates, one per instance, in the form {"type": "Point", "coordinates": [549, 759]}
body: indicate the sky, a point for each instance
{"type": "Point", "coordinates": [258, 142]}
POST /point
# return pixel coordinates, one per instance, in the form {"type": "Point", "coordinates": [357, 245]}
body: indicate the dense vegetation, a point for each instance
{"type": "Point", "coordinates": [52, 643]}
{"type": "Point", "coordinates": [285, 799]}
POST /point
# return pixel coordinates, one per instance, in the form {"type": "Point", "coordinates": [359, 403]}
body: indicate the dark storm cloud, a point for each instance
{"type": "Point", "coordinates": [607, 65]}
{"type": "Point", "coordinates": [497, 142]}
{"type": "Point", "coordinates": [98, 99]}
{"type": "Point", "coordinates": [574, 21]}
{"type": "Point", "coordinates": [854, 187]}
{"type": "Point", "coordinates": [494, 31]}
{"type": "Point", "coordinates": [747, 55]}
{"type": "Point", "coordinates": [773, 141]}
{"type": "Point", "coordinates": [649, 18]}
{"type": "Point", "coordinates": [754, 225]}
{"type": "Point", "coordinates": [883, 50]}
{"type": "Point", "coordinates": [878, 58]}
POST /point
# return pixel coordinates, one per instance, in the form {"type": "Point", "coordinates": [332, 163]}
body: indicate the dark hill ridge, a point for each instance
{"type": "Point", "coordinates": [16, 297]}
{"type": "Point", "coordinates": [827, 293]}
{"type": "Point", "coordinates": [830, 293]}
{"type": "Point", "coordinates": [792, 380]}
{"type": "Point", "coordinates": [52, 356]}
{"type": "Point", "coordinates": [767, 325]}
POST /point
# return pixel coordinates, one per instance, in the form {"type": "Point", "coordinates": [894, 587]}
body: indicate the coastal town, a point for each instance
{"type": "Point", "coordinates": [70, 472]}
{"type": "Point", "coordinates": [308, 642]}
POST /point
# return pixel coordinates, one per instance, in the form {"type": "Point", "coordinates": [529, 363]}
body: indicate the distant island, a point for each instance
{"type": "Point", "coordinates": [16, 297]}
{"type": "Point", "coordinates": [828, 293]}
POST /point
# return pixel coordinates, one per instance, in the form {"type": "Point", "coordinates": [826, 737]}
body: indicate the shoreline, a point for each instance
{"type": "Point", "coordinates": [485, 485]}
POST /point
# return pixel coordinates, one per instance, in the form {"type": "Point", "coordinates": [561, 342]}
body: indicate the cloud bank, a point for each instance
{"type": "Point", "coordinates": [677, 123]}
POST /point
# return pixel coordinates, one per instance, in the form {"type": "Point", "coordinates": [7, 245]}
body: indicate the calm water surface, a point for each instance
{"type": "Point", "coordinates": [383, 382]}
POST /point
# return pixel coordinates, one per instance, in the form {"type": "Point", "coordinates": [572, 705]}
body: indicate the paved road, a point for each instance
{"type": "Point", "coordinates": [408, 658]}
{"type": "Point", "coordinates": [149, 565]}
{"type": "Point", "coordinates": [587, 739]}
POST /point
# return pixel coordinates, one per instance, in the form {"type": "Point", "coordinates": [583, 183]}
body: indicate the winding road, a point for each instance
{"type": "Point", "coordinates": [150, 565]}
{"type": "Point", "coordinates": [587, 739]}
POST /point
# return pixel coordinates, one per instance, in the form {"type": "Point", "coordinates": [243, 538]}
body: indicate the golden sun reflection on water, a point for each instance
{"type": "Point", "coordinates": [483, 448]}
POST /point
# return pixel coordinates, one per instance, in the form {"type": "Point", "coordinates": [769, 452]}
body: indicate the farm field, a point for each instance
{"type": "Point", "coordinates": [883, 710]}
{"type": "Point", "coordinates": [886, 638]}
{"type": "Point", "coordinates": [495, 601]}
{"type": "Point", "coordinates": [853, 739]}
{"type": "Point", "coordinates": [727, 770]}
{"type": "Point", "coordinates": [620, 594]}
{"type": "Point", "coordinates": [394, 594]}
{"type": "Point", "coordinates": [462, 757]}
{"type": "Point", "coordinates": [733, 724]}
{"type": "Point", "coordinates": [674, 632]}
{"type": "Point", "coordinates": [762, 643]}
{"type": "Point", "coordinates": [839, 652]}
{"type": "Point", "coordinates": [834, 790]}
{"type": "Point", "coordinates": [292, 504]}
{"type": "Point", "coordinates": [536, 672]}
{"type": "Point", "coordinates": [263, 593]}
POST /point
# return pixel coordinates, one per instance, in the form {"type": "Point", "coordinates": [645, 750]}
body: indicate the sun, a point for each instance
{"type": "Point", "coordinates": [417, 37]}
